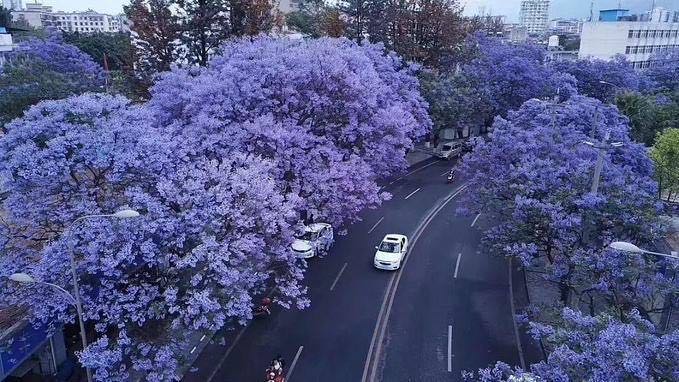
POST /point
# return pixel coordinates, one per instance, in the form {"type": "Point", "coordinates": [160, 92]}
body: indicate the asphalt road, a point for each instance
{"type": "Point", "coordinates": [445, 311]}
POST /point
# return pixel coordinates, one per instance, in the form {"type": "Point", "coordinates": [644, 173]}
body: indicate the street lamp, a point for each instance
{"type": "Point", "coordinates": [631, 248]}
{"type": "Point", "coordinates": [75, 299]}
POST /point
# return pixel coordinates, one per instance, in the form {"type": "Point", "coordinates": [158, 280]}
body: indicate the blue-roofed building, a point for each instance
{"type": "Point", "coordinates": [27, 351]}
{"type": "Point", "coordinates": [613, 14]}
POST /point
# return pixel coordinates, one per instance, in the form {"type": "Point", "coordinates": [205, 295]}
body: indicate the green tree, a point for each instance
{"type": "Point", "coordinates": [649, 114]}
{"type": "Point", "coordinates": [665, 154]}
{"type": "Point", "coordinates": [313, 18]}
{"type": "Point", "coordinates": [46, 69]}
{"type": "Point", "coordinates": [116, 47]}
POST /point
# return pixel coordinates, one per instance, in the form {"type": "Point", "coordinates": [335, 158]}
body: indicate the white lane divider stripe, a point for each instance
{"type": "Point", "coordinates": [338, 276]}
{"type": "Point", "coordinates": [292, 365]}
{"type": "Point", "coordinates": [414, 171]}
{"type": "Point", "coordinates": [457, 264]}
{"type": "Point", "coordinates": [450, 348]}
{"type": "Point", "coordinates": [475, 219]}
{"type": "Point", "coordinates": [376, 224]}
{"type": "Point", "coordinates": [412, 193]}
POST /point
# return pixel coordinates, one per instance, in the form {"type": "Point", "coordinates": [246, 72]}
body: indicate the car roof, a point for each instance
{"type": "Point", "coordinates": [315, 227]}
{"type": "Point", "coordinates": [394, 237]}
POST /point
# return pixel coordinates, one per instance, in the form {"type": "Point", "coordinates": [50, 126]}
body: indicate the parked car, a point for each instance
{"type": "Point", "coordinates": [391, 251]}
{"type": "Point", "coordinates": [315, 239]}
{"type": "Point", "coordinates": [449, 150]}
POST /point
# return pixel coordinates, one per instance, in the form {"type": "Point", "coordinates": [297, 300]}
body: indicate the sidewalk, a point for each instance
{"type": "Point", "coordinates": [419, 154]}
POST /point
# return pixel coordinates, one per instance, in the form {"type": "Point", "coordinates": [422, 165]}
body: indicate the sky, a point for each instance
{"type": "Point", "coordinates": [509, 8]}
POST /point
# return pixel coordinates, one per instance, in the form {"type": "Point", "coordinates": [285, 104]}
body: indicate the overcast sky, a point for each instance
{"type": "Point", "coordinates": [510, 8]}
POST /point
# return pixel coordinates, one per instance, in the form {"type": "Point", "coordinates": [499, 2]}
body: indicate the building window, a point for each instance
{"type": "Point", "coordinates": [635, 49]}
{"type": "Point", "coordinates": [628, 49]}
{"type": "Point", "coordinates": [652, 34]}
{"type": "Point", "coordinates": [637, 34]}
{"type": "Point", "coordinates": [644, 34]}
{"type": "Point", "coordinates": [630, 34]}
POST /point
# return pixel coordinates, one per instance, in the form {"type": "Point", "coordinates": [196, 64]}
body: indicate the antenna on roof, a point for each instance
{"type": "Point", "coordinates": [591, 11]}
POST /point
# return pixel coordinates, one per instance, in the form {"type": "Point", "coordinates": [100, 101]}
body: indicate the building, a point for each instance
{"type": "Point", "coordinates": [565, 26]}
{"type": "Point", "coordinates": [515, 33]}
{"type": "Point", "coordinates": [26, 351]}
{"type": "Point", "coordinates": [86, 22]}
{"type": "Point", "coordinates": [287, 6]}
{"type": "Point", "coordinates": [6, 44]}
{"type": "Point", "coordinates": [618, 33]}
{"type": "Point", "coordinates": [12, 5]}
{"type": "Point", "coordinates": [41, 16]}
{"type": "Point", "coordinates": [534, 15]}
{"type": "Point", "coordinates": [32, 14]}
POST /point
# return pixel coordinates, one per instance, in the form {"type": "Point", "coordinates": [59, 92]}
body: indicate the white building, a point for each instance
{"type": "Point", "coordinates": [534, 15]}
{"type": "Point", "coordinates": [565, 26]}
{"type": "Point", "coordinates": [40, 16]}
{"type": "Point", "coordinates": [636, 40]}
{"type": "Point", "coordinates": [287, 6]}
{"type": "Point", "coordinates": [6, 44]}
{"type": "Point", "coordinates": [87, 22]}
{"type": "Point", "coordinates": [32, 14]}
{"type": "Point", "coordinates": [12, 5]}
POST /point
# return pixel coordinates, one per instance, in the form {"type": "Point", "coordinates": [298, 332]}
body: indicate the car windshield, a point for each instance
{"type": "Point", "coordinates": [447, 147]}
{"type": "Point", "coordinates": [308, 236]}
{"type": "Point", "coordinates": [389, 246]}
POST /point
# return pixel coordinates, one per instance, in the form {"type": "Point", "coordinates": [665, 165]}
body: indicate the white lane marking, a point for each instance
{"type": "Point", "coordinates": [457, 264]}
{"type": "Point", "coordinates": [390, 293]}
{"type": "Point", "coordinates": [412, 193]}
{"type": "Point", "coordinates": [202, 338]}
{"type": "Point", "coordinates": [226, 354]}
{"type": "Point", "coordinates": [294, 362]}
{"type": "Point", "coordinates": [475, 219]}
{"type": "Point", "coordinates": [450, 348]}
{"type": "Point", "coordinates": [338, 276]}
{"type": "Point", "coordinates": [445, 173]}
{"type": "Point", "coordinates": [192, 350]}
{"type": "Point", "coordinates": [376, 224]}
{"type": "Point", "coordinates": [414, 171]}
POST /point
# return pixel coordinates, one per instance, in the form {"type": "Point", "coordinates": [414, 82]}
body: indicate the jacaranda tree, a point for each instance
{"type": "Point", "coordinates": [599, 348]}
{"type": "Point", "coordinates": [224, 164]}
{"type": "Point", "coordinates": [331, 115]}
{"type": "Point", "coordinates": [600, 79]}
{"type": "Point", "coordinates": [214, 232]}
{"type": "Point", "coordinates": [498, 77]}
{"type": "Point", "coordinates": [532, 180]}
{"type": "Point", "coordinates": [41, 69]}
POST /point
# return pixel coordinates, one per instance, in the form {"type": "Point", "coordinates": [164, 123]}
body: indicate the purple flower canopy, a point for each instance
{"type": "Point", "coordinates": [224, 163]}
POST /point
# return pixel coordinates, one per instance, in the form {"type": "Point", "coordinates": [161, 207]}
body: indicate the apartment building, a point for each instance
{"type": "Point", "coordinates": [534, 15]}
{"type": "Point", "coordinates": [630, 36]}
{"type": "Point", "coordinates": [41, 16]}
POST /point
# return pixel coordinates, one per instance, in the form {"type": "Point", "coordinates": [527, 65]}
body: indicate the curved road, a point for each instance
{"type": "Point", "coordinates": [445, 311]}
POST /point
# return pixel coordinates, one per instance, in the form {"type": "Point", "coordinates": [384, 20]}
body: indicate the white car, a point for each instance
{"type": "Point", "coordinates": [391, 251]}
{"type": "Point", "coordinates": [315, 239]}
{"type": "Point", "coordinates": [448, 150]}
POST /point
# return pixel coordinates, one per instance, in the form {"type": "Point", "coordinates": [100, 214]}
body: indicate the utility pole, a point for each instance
{"type": "Point", "coordinates": [602, 148]}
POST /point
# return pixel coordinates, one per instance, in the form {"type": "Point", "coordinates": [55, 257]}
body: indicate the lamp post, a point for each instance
{"type": "Point", "coordinates": [631, 248]}
{"type": "Point", "coordinates": [75, 299]}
